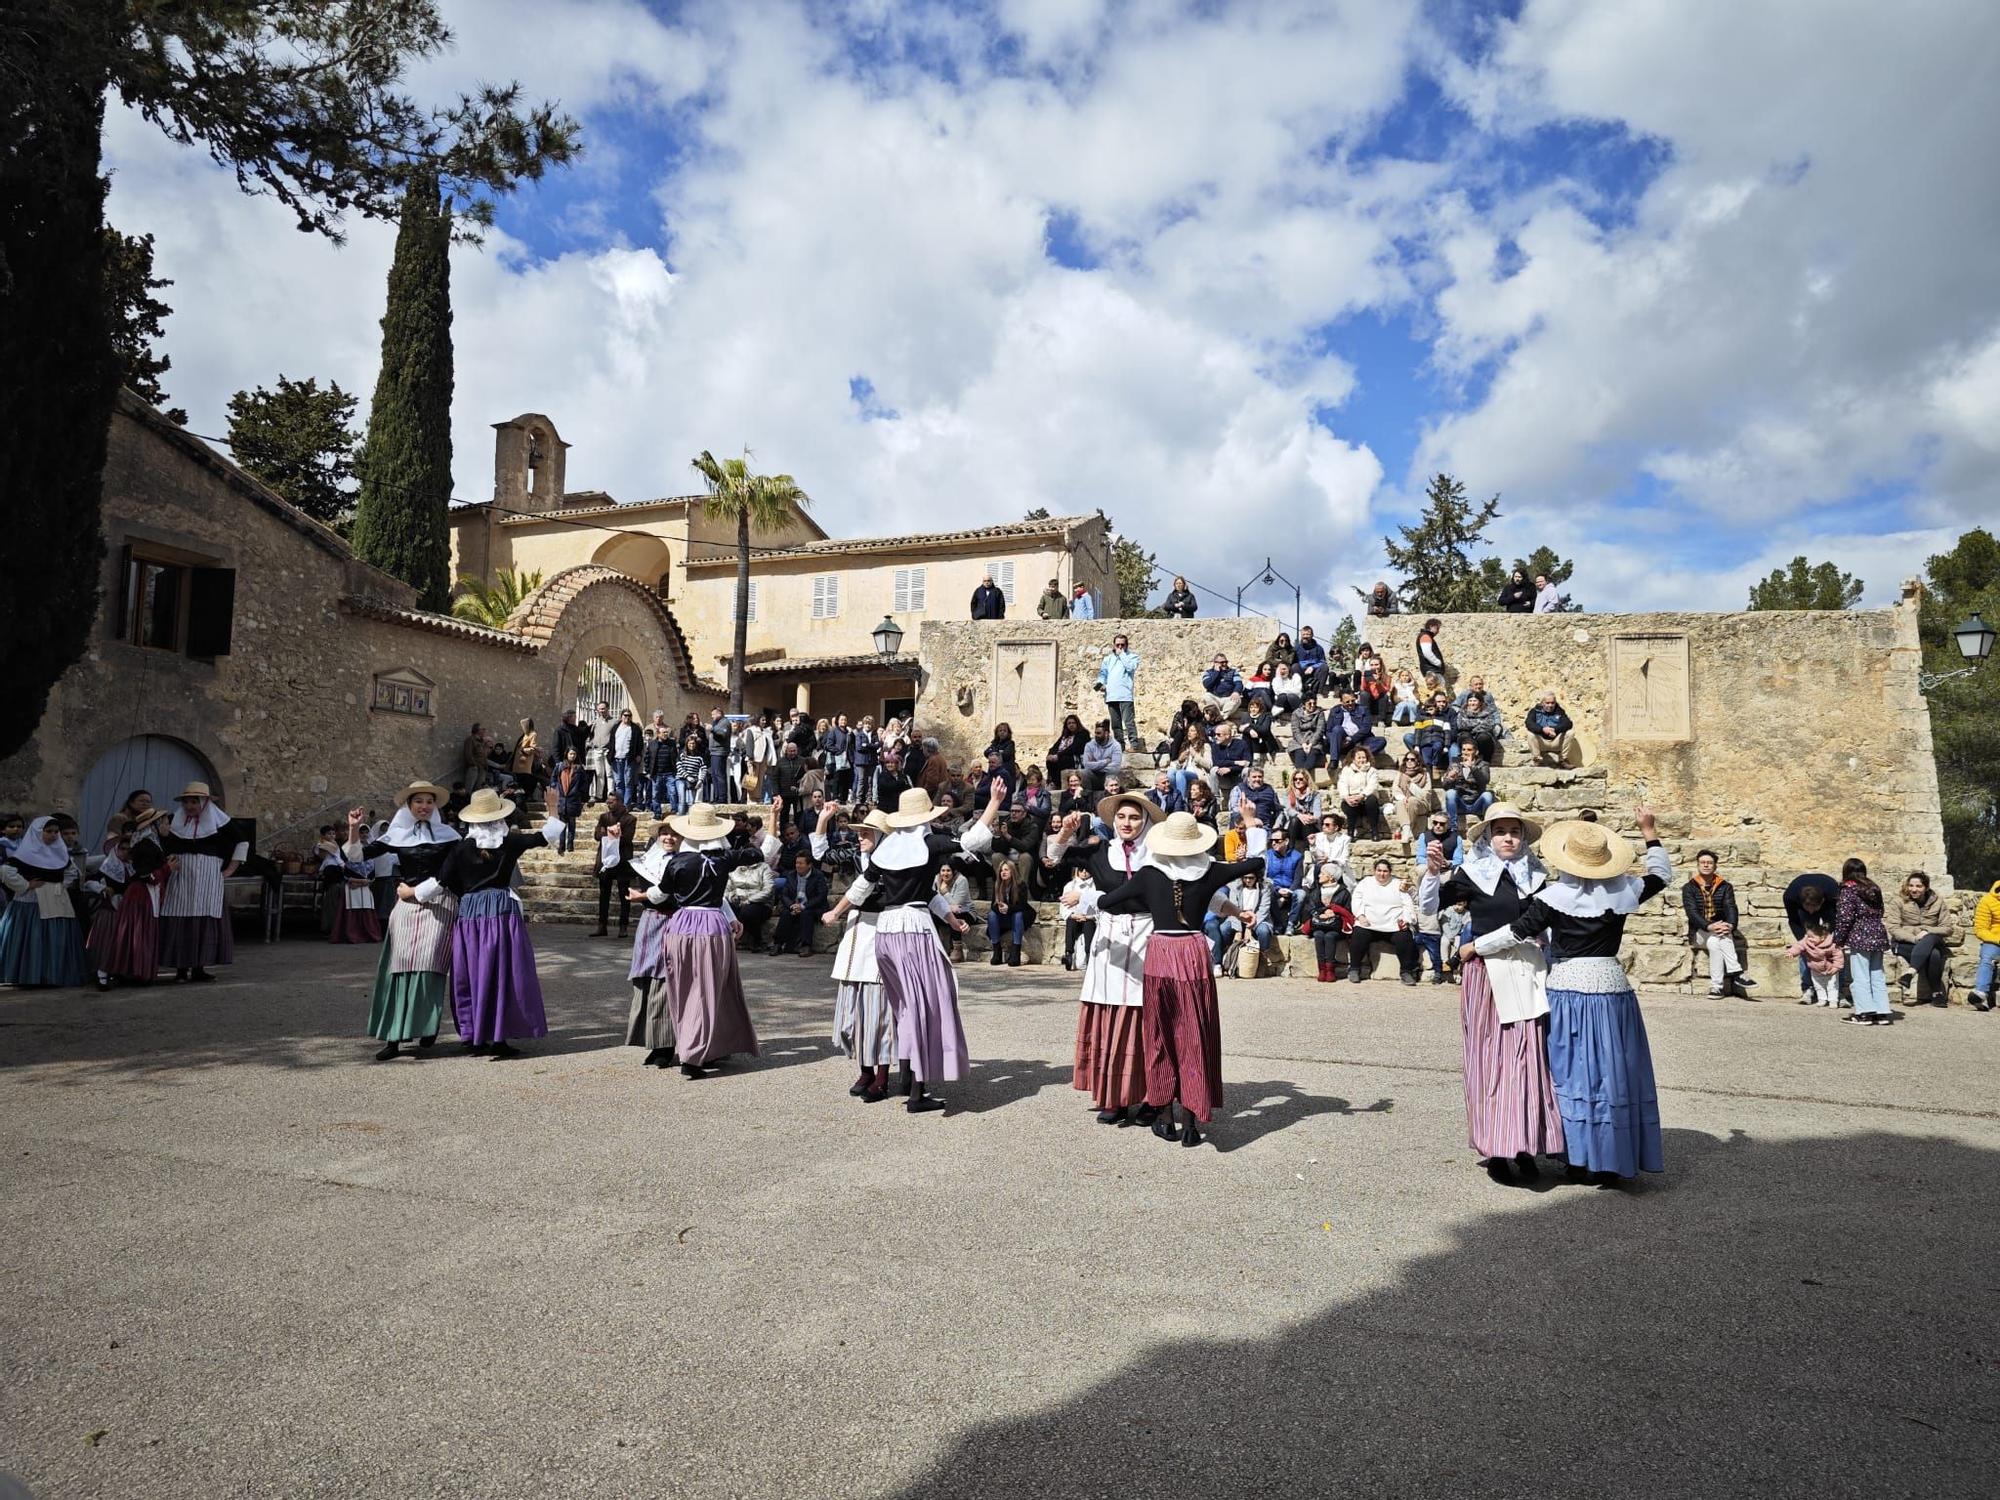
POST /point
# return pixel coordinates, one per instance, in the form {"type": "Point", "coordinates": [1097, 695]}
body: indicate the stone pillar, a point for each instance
{"type": "Point", "coordinates": [802, 698]}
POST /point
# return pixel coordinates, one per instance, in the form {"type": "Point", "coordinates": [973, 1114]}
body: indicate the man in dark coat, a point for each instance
{"type": "Point", "coordinates": [988, 602]}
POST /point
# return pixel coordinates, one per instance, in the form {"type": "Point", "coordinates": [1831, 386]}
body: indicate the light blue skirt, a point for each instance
{"type": "Point", "coordinates": [1603, 1072]}
{"type": "Point", "coordinates": [38, 950]}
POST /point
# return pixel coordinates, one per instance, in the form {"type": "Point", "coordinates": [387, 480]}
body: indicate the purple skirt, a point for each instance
{"type": "Point", "coordinates": [923, 990]}
{"type": "Point", "coordinates": [495, 993]}
{"type": "Point", "coordinates": [704, 989]}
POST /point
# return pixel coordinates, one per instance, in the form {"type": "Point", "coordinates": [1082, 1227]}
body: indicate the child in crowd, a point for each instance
{"type": "Point", "coordinates": [1824, 964]}
{"type": "Point", "coordinates": [1405, 688]}
{"type": "Point", "coordinates": [1080, 917]}
{"type": "Point", "coordinates": [1451, 933]}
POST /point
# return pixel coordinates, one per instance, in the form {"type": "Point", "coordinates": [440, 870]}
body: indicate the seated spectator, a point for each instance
{"type": "Point", "coordinates": [1247, 835]}
{"type": "Point", "coordinates": [1473, 684]}
{"type": "Point", "coordinates": [1517, 595]}
{"type": "Point", "coordinates": [951, 910]}
{"type": "Point", "coordinates": [1433, 736]}
{"type": "Point", "coordinates": [1404, 688]}
{"type": "Point", "coordinates": [1285, 872]}
{"type": "Point", "coordinates": [803, 898]}
{"type": "Point", "coordinates": [1920, 937]}
{"type": "Point", "coordinates": [1710, 904]}
{"type": "Point", "coordinates": [1191, 762]}
{"type": "Point", "coordinates": [995, 769]}
{"type": "Point", "coordinates": [890, 780]}
{"type": "Point", "coordinates": [1383, 913]}
{"type": "Point", "coordinates": [1003, 744]}
{"type": "Point", "coordinates": [1258, 730]}
{"type": "Point", "coordinates": [1309, 735]}
{"type": "Point", "coordinates": [1329, 848]}
{"type": "Point", "coordinates": [1201, 803]}
{"type": "Point", "coordinates": [1440, 832]}
{"type": "Point", "coordinates": [1221, 688]}
{"type": "Point", "coordinates": [1066, 754]}
{"type": "Point", "coordinates": [1329, 921]}
{"type": "Point", "coordinates": [1551, 735]}
{"type": "Point", "coordinates": [1229, 757]}
{"type": "Point", "coordinates": [753, 895]}
{"type": "Point", "coordinates": [1282, 653]}
{"type": "Point", "coordinates": [1985, 932]}
{"type": "Point", "coordinates": [1257, 686]}
{"type": "Point", "coordinates": [1356, 791]}
{"type": "Point", "coordinates": [1034, 795]}
{"type": "Point", "coordinates": [1180, 601]}
{"type": "Point", "coordinates": [1079, 904]}
{"type": "Point", "coordinates": [1479, 720]}
{"type": "Point", "coordinates": [1008, 915]}
{"type": "Point", "coordinates": [1416, 798]}
{"type": "Point", "coordinates": [1243, 906]}
{"type": "Point", "coordinates": [1286, 690]}
{"type": "Point", "coordinates": [1301, 806]}
{"type": "Point", "coordinates": [1259, 794]}
{"type": "Point", "coordinates": [1351, 726]}
{"type": "Point", "coordinates": [1311, 663]}
{"type": "Point", "coordinates": [1188, 715]}
{"type": "Point", "coordinates": [1372, 684]}
{"type": "Point", "coordinates": [1017, 841]}
{"type": "Point", "coordinates": [1101, 756]}
{"type": "Point", "coordinates": [1163, 796]}
{"type": "Point", "coordinates": [1464, 783]}
{"type": "Point", "coordinates": [1075, 795]}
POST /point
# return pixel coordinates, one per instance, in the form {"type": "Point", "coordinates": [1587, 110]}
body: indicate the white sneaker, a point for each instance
{"type": "Point", "coordinates": [1218, 971]}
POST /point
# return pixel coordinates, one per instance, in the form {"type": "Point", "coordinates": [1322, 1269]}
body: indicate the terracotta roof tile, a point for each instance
{"type": "Point", "coordinates": [834, 546]}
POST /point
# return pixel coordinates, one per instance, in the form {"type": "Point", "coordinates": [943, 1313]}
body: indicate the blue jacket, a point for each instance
{"type": "Point", "coordinates": [1282, 870]}
{"type": "Point", "coordinates": [1118, 674]}
{"type": "Point", "coordinates": [1222, 684]}
{"type": "Point", "coordinates": [1310, 654]}
{"type": "Point", "coordinates": [1554, 720]}
{"type": "Point", "coordinates": [1083, 606]}
{"type": "Point", "coordinates": [1233, 756]}
{"type": "Point", "coordinates": [1265, 800]}
{"type": "Point", "coordinates": [1169, 801]}
{"type": "Point", "coordinates": [1364, 721]}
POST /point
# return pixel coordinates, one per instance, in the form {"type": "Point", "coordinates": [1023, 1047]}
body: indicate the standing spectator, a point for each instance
{"type": "Point", "coordinates": [616, 828]}
{"type": "Point", "coordinates": [600, 753]}
{"type": "Point", "coordinates": [1430, 655]}
{"type": "Point", "coordinates": [1351, 727]}
{"type": "Point", "coordinates": [1416, 798]}
{"type": "Point", "coordinates": [1517, 596]}
{"type": "Point", "coordinates": [1309, 735]}
{"type": "Point", "coordinates": [890, 780]}
{"type": "Point", "coordinates": [1180, 603]}
{"type": "Point", "coordinates": [836, 755]}
{"type": "Point", "coordinates": [1356, 790]}
{"type": "Point", "coordinates": [656, 768]}
{"type": "Point", "coordinates": [1809, 899]}
{"type": "Point", "coordinates": [1079, 904]}
{"type": "Point", "coordinates": [1082, 604]}
{"type": "Point", "coordinates": [1858, 928]}
{"type": "Point", "coordinates": [1919, 936]}
{"type": "Point", "coordinates": [570, 736]}
{"type": "Point", "coordinates": [1547, 600]}
{"type": "Point", "coordinates": [1710, 904]}
{"type": "Point", "coordinates": [1066, 754]}
{"type": "Point", "coordinates": [1222, 688]}
{"type": "Point", "coordinates": [1008, 915]}
{"type": "Point", "coordinates": [753, 896]}
{"type": "Point", "coordinates": [572, 788]}
{"type": "Point", "coordinates": [1465, 781]}
{"type": "Point", "coordinates": [719, 736]}
{"type": "Point", "coordinates": [761, 753]}
{"type": "Point", "coordinates": [787, 781]}
{"type": "Point", "coordinates": [1551, 735]}
{"type": "Point", "coordinates": [627, 743]}
{"type": "Point", "coordinates": [803, 897]}
{"type": "Point", "coordinates": [1118, 679]}
{"type": "Point", "coordinates": [1381, 602]}
{"type": "Point", "coordinates": [1986, 932]}
{"type": "Point", "coordinates": [988, 602]}
{"type": "Point", "coordinates": [1239, 910]}
{"type": "Point", "coordinates": [865, 753]}
{"type": "Point", "coordinates": [1285, 873]}
{"type": "Point", "coordinates": [1383, 913]}
{"type": "Point", "coordinates": [527, 762]}
{"type": "Point", "coordinates": [472, 756]}
{"type": "Point", "coordinates": [1311, 663]}
{"type": "Point", "coordinates": [1054, 603]}
{"type": "Point", "coordinates": [1823, 961]}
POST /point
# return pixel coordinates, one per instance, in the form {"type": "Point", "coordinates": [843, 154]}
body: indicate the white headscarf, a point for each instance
{"type": "Point", "coordinates": [210, 819]}
{"type": "Point", "coordinates": [1181, 867]}
{"type": "Point", "coordinates": [905, 849]}
{"type": "Point", "coordinates": [1483, 867]}
{"type": "Point", "coordinates": [35, 854]}
{"type": "Point", "coordinates": [1593, 898]}
{"type": "Point", "coordinates": [408, 832]}
{"type": "Point", "coordinates": [652, 865]}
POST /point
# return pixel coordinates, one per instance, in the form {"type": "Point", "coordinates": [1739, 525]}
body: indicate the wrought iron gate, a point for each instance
{"type": "Point", "coordinates": [597, 683]}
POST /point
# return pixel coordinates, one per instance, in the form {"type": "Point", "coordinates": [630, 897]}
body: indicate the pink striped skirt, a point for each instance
{"type": "Point", "coordinates": [1510, 1099]}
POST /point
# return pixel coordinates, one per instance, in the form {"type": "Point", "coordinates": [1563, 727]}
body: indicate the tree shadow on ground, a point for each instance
{"type": "Point", "coordinates": [996, 1082]}
{"type": "Point", "coordinates": [1738, 1327]}
{"type": "Point", "coordinates": [1251, 1111]}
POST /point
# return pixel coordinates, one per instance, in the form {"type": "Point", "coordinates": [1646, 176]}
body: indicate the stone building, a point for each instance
{"type": "Point", "coordinates": [241, 643]}
{"type": "Point", "coordinates": [814, 600]}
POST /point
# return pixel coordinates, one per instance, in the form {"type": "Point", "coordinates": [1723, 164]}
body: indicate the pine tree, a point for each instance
{"type": "Point", "coordinates": [1806, 586]}
{"type": "Point", "coordinates": [401, 522]}
{"type": "Point", "coordinates": [1435, 555]}
{"type": "Point", "coordinates": [299, 440]}
{"type": "Point", "coordinates": [137, 317]}
{"type": "Point", "coordinates": [1137, 572]}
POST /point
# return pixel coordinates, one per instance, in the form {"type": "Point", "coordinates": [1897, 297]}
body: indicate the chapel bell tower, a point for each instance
{"type": "Point", "coordinates": [528, 460]}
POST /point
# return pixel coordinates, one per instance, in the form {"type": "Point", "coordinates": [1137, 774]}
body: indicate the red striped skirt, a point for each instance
{"type": "Point", "coordinates": [1182, 1025]}
{"type": "Point", "coordinates": [1111, 1055]}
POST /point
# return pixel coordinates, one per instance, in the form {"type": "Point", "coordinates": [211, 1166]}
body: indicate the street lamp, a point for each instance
{"type": "Point", "coordinates": [1974, 639]}
{"type": "Point", "coordinates": [888, 637]}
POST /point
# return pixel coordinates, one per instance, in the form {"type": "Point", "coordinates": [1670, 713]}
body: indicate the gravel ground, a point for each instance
{"type": "Point", "coordinates": [243, 1259]}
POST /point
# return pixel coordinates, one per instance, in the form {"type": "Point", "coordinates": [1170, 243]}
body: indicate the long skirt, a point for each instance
{"type": "Point", "coordinates": [196, 942]}
{"type": "Point", "coordinates": [1182, 1025]}
{"type": "Point", "coordinates": [1510, 1099]}
{"type": "Point", "coordinates": [647, 1023]}
{"type": "Point", "coordinates": [39, 950]}
{"type": "Point", "coordinates": [704, 989]}
{"type": "Point", "coordinates": [495, 992]}
{"type": "Point", "coordinates": [126, 943]}
{"type": "Point", "coordinates": [1111, 1055]}
{"type": "Point", "coordinates": [923, 992]}
{"type": "Point", "coordinates": [864, 1024]}
{"type": "Point", "coordinates": [356, 924]}
{"type": "Point", "coordinates": [1603, 1072]}
{"type": "Point", "coordinates": [411, 987]}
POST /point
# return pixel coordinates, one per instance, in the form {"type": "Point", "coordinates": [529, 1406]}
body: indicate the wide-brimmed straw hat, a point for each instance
{"type": "Point", "coordinates": [146, 820]}
{"type": "Point", "coordinates": [403, 797]}
{"type": "Point", "coordinates": [1181, 834]}
{"type": "Point", "coordinates": [1109, 805]}
{"type": "Point", "coordinates": [1589, 851]}
{"type": "Point", "coordinates": [1530, 829]}
{"type": "Point", "coordinates": [699, 824]}
{"type": "Point", "coordinates": [913, 809]}
{"type": "Point", "coordinates": [487, 806]}
{"type": "Point", "coordinates": [879, 821]}
{"type": "Point", "coordinates": [195, 789]}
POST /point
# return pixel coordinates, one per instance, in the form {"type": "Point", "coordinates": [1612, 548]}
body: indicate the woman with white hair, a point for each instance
{"type": "Point", "coordinates": [864, 1024]}
{"type": "Point", "coordinates": [408, 999]}
{"type": "Point", "coordinates": [1599, 1058]}
{"type": "Point", "coordinates": [205, 851]}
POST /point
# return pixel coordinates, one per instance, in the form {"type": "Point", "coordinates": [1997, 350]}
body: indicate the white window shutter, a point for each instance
{"type": "Point", "coordinates": [917, 590]}
{"type": "Point", "coordinates": [750, 605]}
{"type": "Point", "coordinates": [1002, 573]}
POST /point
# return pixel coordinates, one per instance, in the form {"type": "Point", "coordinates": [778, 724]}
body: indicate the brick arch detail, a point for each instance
{"type": "Point", "coordinates": [538, 617]}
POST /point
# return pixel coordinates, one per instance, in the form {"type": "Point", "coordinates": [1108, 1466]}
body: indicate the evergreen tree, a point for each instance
{"type": "Point", "coordinates": [299, 440]}
{"type": "Point", "coordinates": [1435, 555]}
{"type": "Point", "coordinates": [1806, 586]}
{"type": "Point", "coordinates": [1964, 711]}
{"type": "Point", "coordinates": [1137, 571]}
{"type": "Point", "coordinates": [1343, 643]}
{"type": "Point", "coordinates": [401, 524]}
{"type": "Point", "coordinates": [137, 316]}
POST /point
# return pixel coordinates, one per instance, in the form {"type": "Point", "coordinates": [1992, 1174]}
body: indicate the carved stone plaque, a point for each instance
{"type": "Point", "coordinates": [1024, 686]}
{"type": "Point", "coordinates": [1650, 688]}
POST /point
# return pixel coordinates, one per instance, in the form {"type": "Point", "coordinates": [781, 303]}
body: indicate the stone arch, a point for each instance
{"type": "Point", "coordinates": [161, 763]}
{"type": "Point", "coordinates": [643, 557]}
{"type": "Point", "coordinates": [594, 610]}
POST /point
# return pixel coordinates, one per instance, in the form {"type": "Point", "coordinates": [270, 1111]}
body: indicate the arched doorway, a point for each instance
{"type": "Point", "coordinates": [600, 681]}
{"type": "Point", "coordinates": [159, 764]}
{"type": "Point", "coordinates": [642, 557]}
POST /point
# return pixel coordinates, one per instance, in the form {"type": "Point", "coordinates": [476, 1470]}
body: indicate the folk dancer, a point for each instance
{"type": "Point", "coordinates": [864, 1024]}
{"type": "Point", "coordinates": [41, 940]}
{"type": "Point", "coordinates": [194, 922]}
{"type": "Point", "coordinates": [705, 1002]}
{"type": "Point", "coordinates": [411, 987]}
{"type": "Point", "coordinates": [125, 943]}
{"type": "Point", "coordinates": [1110, 1062]}
{"type": "Point", "coordinates": [647, 1023]}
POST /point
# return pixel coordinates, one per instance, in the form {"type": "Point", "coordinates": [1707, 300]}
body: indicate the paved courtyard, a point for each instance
{"type": "Point", "coordinates": [242, 1259]}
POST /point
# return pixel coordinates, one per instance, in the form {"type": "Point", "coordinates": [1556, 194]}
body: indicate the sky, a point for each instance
{"type": "Point", "coordinates": [1693, 286]}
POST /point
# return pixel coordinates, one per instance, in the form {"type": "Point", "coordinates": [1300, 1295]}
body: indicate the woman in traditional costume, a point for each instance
{"type": "Point", "coordinates": [1599, 1059]}
{"type": "Point", "coordinates": [864, 1024]}
{"type": "Point", "coordinates": [409, 996]}
{"type": "Point", "coordinates": [647, 1024]}
{"type": "Point", "coordinates": [41, 941]}
{"type": "Point", "coordinates": [495, 992]}
{"type": "Point", "coordinates": [1110, 1062]}
{"type": "Point", "coordinates": [1510, 1100]}
{"type": "Point", "coordinates": [353, 896]}
{"type": "Point", "coordinates": [1181, 1024]}
{"type": "Point", "coordinates": [705, 1002]}
{"type": "Point", "coordinates": [917, 977]}
{"type": "Point", "coordinates": [125, 943]}
{"type": "Point", "coordinates": [194, 921]}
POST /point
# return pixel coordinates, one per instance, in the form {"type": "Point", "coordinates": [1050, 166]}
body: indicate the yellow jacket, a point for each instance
{"type": "Point", "coordinates": [1986, 920]}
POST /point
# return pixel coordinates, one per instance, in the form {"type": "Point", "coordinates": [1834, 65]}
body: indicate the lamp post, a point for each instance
{"type": "Point", "coordinates": [1974, 639]}
{"type": "Point", "coordinates": [888, 637]}
{"type": "Point", "coordinates": [1269, 575]}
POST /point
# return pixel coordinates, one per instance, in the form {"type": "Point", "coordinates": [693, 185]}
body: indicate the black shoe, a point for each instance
{"type": "Point", "coordinates": [1437, 976]}
{"type": "Point", "coordinates": [599, 933]}
{"type": "Point", "coordinates": [1525, 1165]}
{"type": "Point", "coordinates": [1610, 1180]}
{"type": "Point", "coordinates": [1166, 1129]}
{"type": "Point", "coordinates": [918, 1104]}
{"type": "Point", "coordinates": [1859, 1020]}
{"type": "Point", "coordinates": [1408, 978]}
{"type": "Point", "coordinates": [388, 1052]}
{"type": "Point", "coordinates": [1111, 1117]}
{"type": "Point", "coordinates": [1353, 975]}
{"type": "Point", "coordinates": [1014, 957]}
{"type": "Point", "coordinates": [1145, 1114]}
{"type": "Point", "coordinates": [180, 976]}
{"type": "Point", "coordinates": [1978, 1001]}
{"type": "Point", "coordinates": [874, 1095]}
{"type": "Point", "coordinates": [103, 985]}
{"type": "Point", "coordinates": [500, 1052]}
{"type": "Point", "coordinates": [654, 1058]}
{"type": "Point", "coordinates": [201, 976]}
{"type": "Point", "coordinates": [689, 1070]}
{"type": "Point", "coordinates": [862, 1085]}
{"type": "Point", "coordinates": [428, 1041]}
{"type": "Point", "coordinates": [994, 960]}
{"type": "Point", "coordinates": [1500, 1171]}
{"type": "Point", "coordinates": [905, 1080]}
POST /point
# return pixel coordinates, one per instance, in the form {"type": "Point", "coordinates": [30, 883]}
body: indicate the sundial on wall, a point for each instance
{"type": "Point", "coordinates": [1650, 689]}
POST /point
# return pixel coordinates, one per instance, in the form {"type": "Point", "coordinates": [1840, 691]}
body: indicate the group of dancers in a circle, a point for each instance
{"type": "Point", "coordinates": [1556, 1057]}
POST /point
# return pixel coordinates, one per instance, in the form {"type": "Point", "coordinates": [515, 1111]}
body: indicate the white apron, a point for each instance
{"type": "Point", "coordinates": [1116, 972]}
{"type": "Point", "coordinates": [854, 960]}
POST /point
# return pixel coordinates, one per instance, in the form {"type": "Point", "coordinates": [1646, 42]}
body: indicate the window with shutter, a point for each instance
{"type": "Point", "coordinates": [1002, 573]}
{"type": "Point", "coordinates": [750, 602]}
{"type": "Point", "coordinates": [826, 596]}
{"type": "Point", "coordinates": [211, 611]}
{"type": "Point", "coordinates": [909, 590]}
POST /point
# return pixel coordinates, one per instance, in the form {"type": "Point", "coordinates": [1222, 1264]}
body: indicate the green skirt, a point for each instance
{"type": "Point", "coordinates": [404, 1007]}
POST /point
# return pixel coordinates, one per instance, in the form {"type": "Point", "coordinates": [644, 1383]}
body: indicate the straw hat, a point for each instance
{"type": "Point", "coordinates": [1181, 834]}
{"type": "Point", "coordinates": [487, 806]}
{"type": "Point", "coordinates": [879, 821]}
{"type": "Point", "coordinates": [195, 789]}
{"type": "Point", "coordinates": [1109, 805]}
{"type": "Point", "coordinates": [1589, 851]}
{"type": "Point", "coordinates": [1530, 829]}
{"type": "Point", "coordinates": [403, 797]}
{"type": "Point", "coordinates": [699, 824]}
{"type": "Point", "coordinates": [146, 820]}
{"type": "Point", "coordinates": [913, 809]}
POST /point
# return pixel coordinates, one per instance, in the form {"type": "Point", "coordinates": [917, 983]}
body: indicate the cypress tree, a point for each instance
{"type": "Point", "coordinates": [400, 524]}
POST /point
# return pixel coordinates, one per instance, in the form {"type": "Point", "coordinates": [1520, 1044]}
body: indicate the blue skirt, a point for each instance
{"type": "Point", "coordinates": [38, 950]}
{"type": "Point", "coordinates": [1603, 1072]}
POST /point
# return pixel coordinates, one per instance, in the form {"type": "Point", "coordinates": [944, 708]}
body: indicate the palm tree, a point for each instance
{"type": "Point", "coordinates": [478, 604]}
{"type": "Point", "coordinates": [755, 502]}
